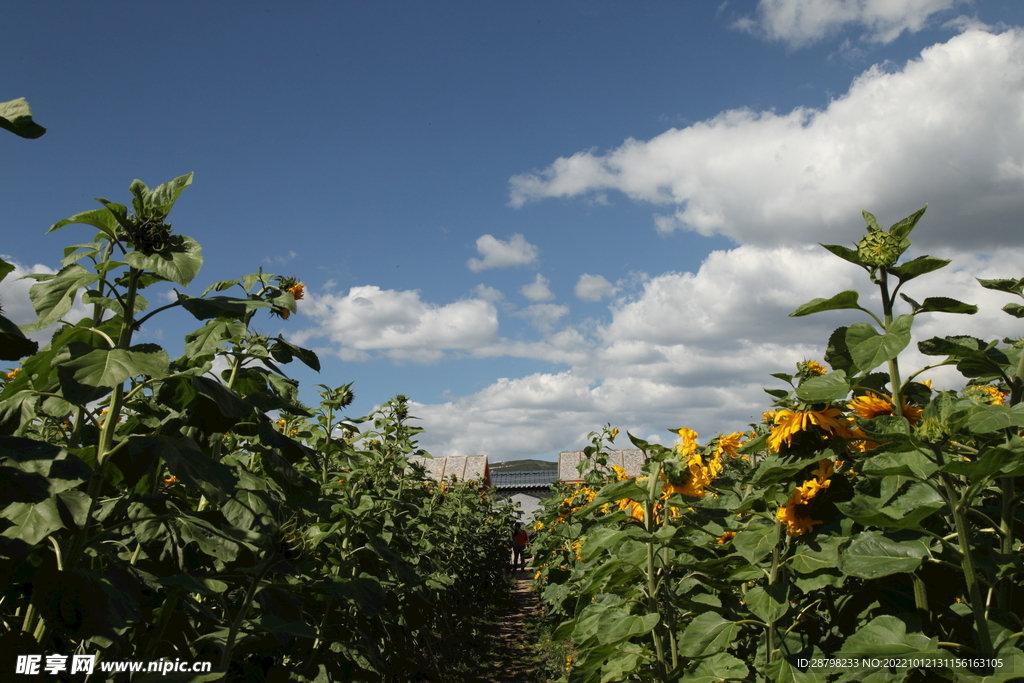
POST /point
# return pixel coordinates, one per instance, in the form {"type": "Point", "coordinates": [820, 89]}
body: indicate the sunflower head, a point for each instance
{"type": "Point", "coordinates": [881, 249]}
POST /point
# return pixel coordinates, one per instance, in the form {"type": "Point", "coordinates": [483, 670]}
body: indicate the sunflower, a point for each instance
{"type": "Point", "coordinates": [872, 405]}
{"type": "Point", "coordinates": [788, 423]}
{"type": "Point", "coordinates": [620, 473]}
{"type": "Point", "coordinates": [987, 393]}
{"type": "Point", "coordinates": [728, 444]}
{"type": "Point", "coordinates": [796, 513]}
{"type": "Point", "coordinates": [726, 537]}
{"type": "Point", "coordinates": [812, 368]}
{"type": "Point", "coordinates": [297, 290]}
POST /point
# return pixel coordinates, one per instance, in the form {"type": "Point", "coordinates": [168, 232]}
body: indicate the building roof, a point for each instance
{"type": "Point", "coordinates": [629, 459]}
{"type": "Point", "coordinates": [463, 467]}
{"type": "Point", "coordinates": [541, 479]}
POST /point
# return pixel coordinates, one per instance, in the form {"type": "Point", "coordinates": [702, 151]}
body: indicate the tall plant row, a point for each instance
{"type": "Point", "coordinates": [193, 508]}
{"type": "Point", "coordinates": [868, 529]}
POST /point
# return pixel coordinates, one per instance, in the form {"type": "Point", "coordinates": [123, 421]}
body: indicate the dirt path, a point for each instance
{"type": "Point", "coordinates": [511, 657]}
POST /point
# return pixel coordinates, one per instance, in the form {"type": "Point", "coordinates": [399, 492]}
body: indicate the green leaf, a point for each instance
{"type": "Point", "coordinates": [212, 336]}
{"type": "Point", "coordinates": [871, 555]}
{"type": "Point", "coordinates": [178, 261]}
{"type": "Point", "coordinates": [193, 467]}
{"type": "Point", "coordinates": [887, 636]}
{"type": "Point", "coordinates": [781, 671]}
{"type": "Point", "coordinates": [97, 218]}
{"type": "Point", "coordinates": [229, 403]}
{"type": "Point", "coordinates": [755, 542]}
{"type": "Point", "coordinates": [987, 419]}
{"type": "Point", "coordinates": [219, 306]}
{"type": "Point", "coordinates": [902, 228]}
{"type": "Point", "coordinates": [14, 345]}
{"type": "Point", "coordinates": [942, 304]}
{"type": "Point", "coordinates": [823, 555]}
{"type": "Point", "coordinates": [1010, 286]}
{"type": "Point", "coordinates": [5, 268]}
{"type": "Point", "coordinates": [16, 116]}
{"type": "Point", "coordinates": [164, 195]}
{"type": "Point", "coordinates": [831, 387]}
{"type": "Point", "coordinates": [283, 351]}
{"type": "Point", "coordinates": [32, 522]}
{"type": "Point", "coordinates": [707, 634]}
{"type": "Point", "coordinates": [52, 298]}
{"type": "Point", "coordinates": [768, 605]}
{"type": "Point", "coordinates": [992, 461]}
{"type": "Point", "coordinates": [718, 667]}
{"type": "Point", "coordinates": [845, 253]}
{"type": "Point", "coordinates": [957, 346]}
{"type": "Point", "coordinates": [843, 300]}
{"type": "Point", "coordinates": [869, 349]}
{"type": "Point", "coordinates": [620, 627]}
{"type": "Point", "coordinates": [111, 367]}
{"type": "Point", "coordinates": [919, 266]}
{"type": "Point", "coordinates": [1016, 310]}
{"type": "Point", "coordinates": [837, 354]}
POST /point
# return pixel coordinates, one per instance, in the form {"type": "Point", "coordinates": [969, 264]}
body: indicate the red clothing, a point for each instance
{"type": "Point", "coordinates": [520, 537]}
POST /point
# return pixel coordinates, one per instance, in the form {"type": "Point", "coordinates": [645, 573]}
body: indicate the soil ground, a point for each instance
{"type": "Point", "coordinates": [511, 656]}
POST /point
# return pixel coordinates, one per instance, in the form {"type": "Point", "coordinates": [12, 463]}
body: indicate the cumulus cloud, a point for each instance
{"type": "Point", "coordinates": [397, 323]}
{"type": "Point", "coordinates": [944, 129]}
{"type": "Point", "coordinates": [801, 22]}
{"type": "Point", "coordinates": [538, 289]}
{"type": "Point", "coordinates": [593, 287]}
{"type": "Point", "coordinates": [695, 350]}
{"type": "Point", "coordinates": [17, 306]}
{"type": "Point", "coordinates": [544, 316]}
{"type": "Point", "coordinates": [488, 293]}
{"type": "Point", "coordinates": [498, 254]}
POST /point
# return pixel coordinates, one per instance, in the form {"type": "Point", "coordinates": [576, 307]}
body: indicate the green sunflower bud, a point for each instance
{"type": "Point", "coordinates": [880, 249]}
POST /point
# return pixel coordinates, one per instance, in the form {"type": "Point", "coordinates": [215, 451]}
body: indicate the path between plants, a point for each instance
{"type": "Point", "coordinates": [512, 657]}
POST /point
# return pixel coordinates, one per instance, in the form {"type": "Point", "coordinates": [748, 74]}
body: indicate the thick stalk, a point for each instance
{"type": "Point", "coordinates": [652, 586]}
{"type": "Point", "coordinates": [967, 565]}
{"type": "Point", "coordinates": [773, 577]}
{"type": "Point", "coordinates": [894, 365]}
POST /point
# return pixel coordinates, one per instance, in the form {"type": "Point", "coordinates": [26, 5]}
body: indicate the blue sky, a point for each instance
{"type": "Point", "coordinates": [534, 218]}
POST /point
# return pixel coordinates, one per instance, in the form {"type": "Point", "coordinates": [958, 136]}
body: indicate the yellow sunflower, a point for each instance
{"type": "Point", "coordinates": [789, 423]}
{"type": "Point", "coordinates": [871, 405]}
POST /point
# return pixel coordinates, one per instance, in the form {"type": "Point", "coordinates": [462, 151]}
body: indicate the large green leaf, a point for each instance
{"type": "Point", "coordinates": [219, 306]}
{"type": "Point", "coordinates": [165, 194]}
{"type": "Point", "coordinates": [824, 554]}
{"type": "Point", "coordinates": [941, 304]}
{"type": "Point", "coordinates": [97, 218]}
{"type": "Point", "coordinates": [110, 367]}
{"type": "Point", "coordinates": [842, 300]}
{"type": "Point", "coordinates": [870, 349]}
{"type": "Point", "coordinates": [618, 627]}
{"type": "Point", "coordinates": [768, 604]}
{"type": "Point", "coordinates": [957, 346]}
{"type": "Point", "coordinates": [1008, 285]}
{"type": "Point", "coordinates": [283, 351]}
{"type": "Point", "coordinates": [14, 345]}
{"type": "Point", "coordinates": [178, 261]}
{"type": "Point", "coordinates": [718, 667]}
{"type": "Point", "coordinates": [32, 522]}
{"type": "Point", "coordinates": [193, 467]}
{"type": "Point", "coordinates": [887, 636]}
{"type": "Point", "coordinates": [992, 418]}
{"type": "Point", "coordinates": [871, 555]}
{"type": "Point", "coordinates": [16, 116]}
{"type": "Point", "coordinates": [707, 634]}
{"type": "Point", "coordinates": [845, 253]}
{"type": "Point", "coordinates": [902, 228]}
{"type": "Point", "coordinates": [918, 266]}
{"type": "Point", "coordinates": [755, 542]}
{"type": "Point", "coordinates": [228, 402]}
{"type": "Point", "coordinates": [52, 298]}
{"type": "Point", "coordinates": [831, 387]}
{"type": "Point", "coordinates": [212, 336]}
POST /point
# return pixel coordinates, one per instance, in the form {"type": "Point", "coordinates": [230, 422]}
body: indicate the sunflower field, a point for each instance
{"type": "Point", "coordinates": [193, 508]}
{"type": "Point", "coordinates": [867, 529]}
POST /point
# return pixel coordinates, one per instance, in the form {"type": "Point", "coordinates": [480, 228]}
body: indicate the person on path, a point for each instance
{"type": "Point", "coordinates": [520, 541]}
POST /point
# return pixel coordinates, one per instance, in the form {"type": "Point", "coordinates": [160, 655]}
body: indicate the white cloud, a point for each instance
{"type": "Point", "coordinates": [945, 129]}
{"type": "Point", "coordinates": [802, 22]}
{"type": "Point", "coordinates": [593, 287]}
{"type": "Point", "coordinates": [397, 323]}
{"type": "Point", "coordinates": [488, 293]}
{"type": "Point", "coordinates": [538, 289]}
{"type": "Point", "coordinates": [17, 306]}
{"type": "Point", "coordinates": [498, 254]}
{"type": "Point", "coordinates": [544, 316]}
{"type": "Point", "coordinates": [695, 350]}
